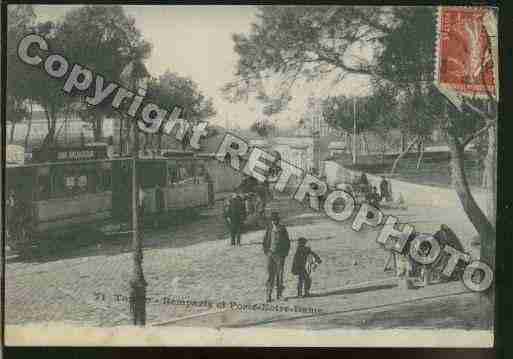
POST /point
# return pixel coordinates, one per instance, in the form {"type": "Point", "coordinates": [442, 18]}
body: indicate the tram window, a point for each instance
{"type": "Point", "coordinates": [187, 172]}
{"type": "Point", "coordinates": [202, 172]}
{"type": "Point", "coordinates": [68, 181]}
{"type": "Point", "coordinates": [107, 176]}
{"type": "Point", "coordinates": [58, 185]}
{"type": "Point", "coordinates": [172, 172]}
{"type": "Point", "coordinates": [103, 177]}
{"type": "Point", "coordinates": [43, 183]}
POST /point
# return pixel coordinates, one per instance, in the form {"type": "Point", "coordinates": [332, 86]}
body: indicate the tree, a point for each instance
{"type": "Point", "coordinates": [308, 42]}
{"type": "Point", "coordinates": [263, 128]}
{"type": "Point", "coordinates": [171, 90]}
{"type": "Point", "coordinates": [20, 19]}
{"type": "Point", "coordinates": [105, 40]}
{"type": "Point", "coordinates": [412, 67]}
{"type": "Point", "coordinates": [377, 113]}
{"type": "Point", "coordinates": [44, 91]}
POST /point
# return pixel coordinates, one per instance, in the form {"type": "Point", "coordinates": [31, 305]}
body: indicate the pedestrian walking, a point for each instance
{"type": "Point", "coordinates": [303, 264]}
{"type": "Point", "coordinates": [384, 188]}
{"type": "Point", "coordinates": [235, 213]}
{"type": "Point", "coordinates": [276, 247]}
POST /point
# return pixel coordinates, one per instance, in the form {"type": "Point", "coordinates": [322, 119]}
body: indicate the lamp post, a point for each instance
{"type": "Point", "coordinates": [137, 282]}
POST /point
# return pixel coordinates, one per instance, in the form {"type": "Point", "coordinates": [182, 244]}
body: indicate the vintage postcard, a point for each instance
{"type": "Point", "coordinates": [250, 175]}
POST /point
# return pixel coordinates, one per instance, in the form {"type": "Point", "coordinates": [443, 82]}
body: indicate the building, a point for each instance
{"type": "Point", "coordinates": [296, 150]}
{"type": "Point", "coordinates": [337, 147]}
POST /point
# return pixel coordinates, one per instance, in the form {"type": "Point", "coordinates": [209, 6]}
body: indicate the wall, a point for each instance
{"type": "Point", "coordinates": [225, 178]}
{"type": "Point", "coordinates": [297, 150]}
{"type": "Point", "coordinates": [413, 194]}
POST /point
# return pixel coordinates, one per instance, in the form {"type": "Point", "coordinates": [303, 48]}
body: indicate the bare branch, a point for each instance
{"type": "Point", "coordinates": [480, 112]}
{"type": "Point", "coordinates": [476, 134]}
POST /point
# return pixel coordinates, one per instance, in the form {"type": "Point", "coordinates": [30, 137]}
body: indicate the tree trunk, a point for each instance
{"type": "Point", "coordinates": [421, 154]}
{"type": "Point", "coordinates": [484, 175]}
{"type": "Point", "coordinates": [51, 123]}
{"type": "Point", "coordinates": [97, 128]}
{"type": "Point", "coordinates": [402, 154]}
{"type": "Point", "coordinates": [403, 141]}
{"type": "Point", "coordinates": [29, 130]}
{"type": "Point", "coordinates": [475, 214]}
{"type": "Point", "coordinates": [29, 125]}
{"type": "Point", "coordinates": [490, 174]}
{"type": "Point", "coordinates": [159, 141]}
{"type": "Point", "coordinates": [11, 135]}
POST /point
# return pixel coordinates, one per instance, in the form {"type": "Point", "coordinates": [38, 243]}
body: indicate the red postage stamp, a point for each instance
{"type": "Point", "coordinates": [464, 56]}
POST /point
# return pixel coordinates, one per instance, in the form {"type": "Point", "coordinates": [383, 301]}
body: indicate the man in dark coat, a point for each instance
{"type": "Point", "coordinates": [276, 247]}
{"type": "Point", "coordinates": [235, 214]}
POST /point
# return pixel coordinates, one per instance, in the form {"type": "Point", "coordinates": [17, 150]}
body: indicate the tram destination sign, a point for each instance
{"type": "Point", "coordinates": [71, 154]}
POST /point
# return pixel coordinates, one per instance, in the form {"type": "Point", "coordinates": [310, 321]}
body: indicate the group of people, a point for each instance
{"type": "Point", "coordinates": [372, 196]}
{"type": "Point", "coordinates": [407, 268]}
{"type": "Point", "coordinates": [276, 246]}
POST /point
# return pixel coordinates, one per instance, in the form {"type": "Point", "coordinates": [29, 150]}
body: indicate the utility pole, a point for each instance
{"type": "Point", "coordinates": [354, 131]}
{"type": "Point", "coordinates": [137, 283]}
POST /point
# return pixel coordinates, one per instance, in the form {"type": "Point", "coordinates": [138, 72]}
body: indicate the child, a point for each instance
{"type": "Point", "coordinates": [304, 261]}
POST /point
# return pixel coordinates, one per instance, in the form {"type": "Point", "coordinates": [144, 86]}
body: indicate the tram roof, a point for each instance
{"type": "Point", "coordinates": [53, 163]}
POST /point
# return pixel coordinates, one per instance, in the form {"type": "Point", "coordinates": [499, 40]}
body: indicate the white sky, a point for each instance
{"type": "Point", "coordinates": [196, 41]}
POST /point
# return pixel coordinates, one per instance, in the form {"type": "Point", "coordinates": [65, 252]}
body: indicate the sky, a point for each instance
{"type": "Point", "coordinates": [196, 41]}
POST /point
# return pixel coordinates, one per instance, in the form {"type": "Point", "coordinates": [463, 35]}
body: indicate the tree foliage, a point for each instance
{"type": "Point", "coordinates": [170, 90]}
{"type": "Point", "coordinates": [20, 19]}
{"type": "Point", "coordinates": [393, 46]}
{"type": "Point", "coordinates": [306, 42]}
{"type": "Point", "coordinates": [263, 128]}
{"type": "Point", "coordinates": [105, 40]}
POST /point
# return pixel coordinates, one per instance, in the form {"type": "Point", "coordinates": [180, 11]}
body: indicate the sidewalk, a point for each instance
{"type": "Point", "coordinates": [346, 302]}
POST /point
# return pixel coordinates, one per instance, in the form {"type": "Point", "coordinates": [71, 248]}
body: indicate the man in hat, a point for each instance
{"type": "Point", "coordinates": [276, 247]}
{"type": "Point", "coordinates": [235, 214]}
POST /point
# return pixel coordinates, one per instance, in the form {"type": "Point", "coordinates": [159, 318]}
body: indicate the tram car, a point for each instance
{"type": "Point", "coordinates": [73, 193]}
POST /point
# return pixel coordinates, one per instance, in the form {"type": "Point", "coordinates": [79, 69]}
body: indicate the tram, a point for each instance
{"type": "Point", "coordinates": [65, 194]}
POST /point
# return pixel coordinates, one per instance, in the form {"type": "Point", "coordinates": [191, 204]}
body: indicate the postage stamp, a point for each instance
{"type": "Point", "coordinates": [249, 175]}
{"type": "Point", "coordinates": [465, 63]}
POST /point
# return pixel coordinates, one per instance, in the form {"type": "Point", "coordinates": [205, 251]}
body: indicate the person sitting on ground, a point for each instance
{"type": "Point", "coordinates": [303, 263]}
{"type": "Point", "coordinates": [446, 237]}
{"type": "Point", "coordinates": [373, 197]}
